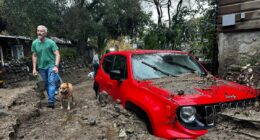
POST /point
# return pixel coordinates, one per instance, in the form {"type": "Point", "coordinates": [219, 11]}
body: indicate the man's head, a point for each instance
{"type": "Point", "coordinates": [41, 32]}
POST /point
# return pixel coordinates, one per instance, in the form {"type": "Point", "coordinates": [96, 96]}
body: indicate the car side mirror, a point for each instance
{"type": "Point", "coordinates": [115, 75]}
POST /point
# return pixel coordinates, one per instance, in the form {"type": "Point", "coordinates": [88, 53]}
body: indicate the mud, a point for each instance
{"type": "Point", "coordinates": [27, 117]}
{"type": "Point", "coordinates": [185, 84]}
{"type": "Point", "coordinates": [23, 116]}
{"type": "Point", "coordinates": [230, 127]}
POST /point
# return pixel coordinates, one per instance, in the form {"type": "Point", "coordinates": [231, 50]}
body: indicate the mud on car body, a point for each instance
{"type": "Point", "coordinates": [169, 90]}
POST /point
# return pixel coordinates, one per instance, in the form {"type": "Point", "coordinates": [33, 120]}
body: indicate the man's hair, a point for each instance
{"type": "Point", "coordinates": [43, 27]}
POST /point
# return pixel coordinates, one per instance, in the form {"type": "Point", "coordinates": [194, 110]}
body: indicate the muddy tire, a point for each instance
{"type": "Point", "coordinates": [103, 99]}
{"type": "Point", "coordinates": [140, 114]}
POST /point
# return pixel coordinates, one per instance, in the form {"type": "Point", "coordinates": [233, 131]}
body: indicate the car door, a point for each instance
{"type": "Point", "coordinates": [118, 87]}
{"type": "Point", "coordinates": [103, 74]}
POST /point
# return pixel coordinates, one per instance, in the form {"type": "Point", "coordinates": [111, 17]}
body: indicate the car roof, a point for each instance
{"type": "Point", "coordinates": [130, 52]}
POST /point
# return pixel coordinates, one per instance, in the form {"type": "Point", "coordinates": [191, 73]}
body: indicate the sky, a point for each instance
{"type": "Point", "coordinates": [150, 8]}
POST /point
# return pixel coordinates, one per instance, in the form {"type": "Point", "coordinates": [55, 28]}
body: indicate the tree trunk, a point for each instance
{"type": "Point", "coordinates": [159, 11]}
{"type": "Point", "coordinates": [169, 3]}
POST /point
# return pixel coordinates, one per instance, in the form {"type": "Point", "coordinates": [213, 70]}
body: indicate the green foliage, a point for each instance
{"type": "Point", "coordinates": [95, 22]}
{"type": "Point", "coordinates": [68, 53]}
{"type": "Point", "coordinates": [196, 35]}
{"type": "Point", "coordinates": [23, 17]}
{"type": "Point", "coordinates": [155, 38]}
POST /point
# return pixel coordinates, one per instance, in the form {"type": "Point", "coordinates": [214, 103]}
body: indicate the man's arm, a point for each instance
{"type": "Point", "coordinates": [34, 60]}
{"type": "Point", "coordinates": [57, 61]}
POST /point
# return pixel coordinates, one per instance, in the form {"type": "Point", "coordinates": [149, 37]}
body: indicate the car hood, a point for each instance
{"type": "Point", "coordinates": [191, 89]}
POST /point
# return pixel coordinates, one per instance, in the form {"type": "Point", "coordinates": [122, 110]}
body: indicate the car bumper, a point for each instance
{"type": "Point", "coordinates": [178, 132]}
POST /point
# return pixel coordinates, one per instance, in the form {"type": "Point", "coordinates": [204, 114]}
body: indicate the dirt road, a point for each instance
{"type": "Point", "coordinates": [22, 116]}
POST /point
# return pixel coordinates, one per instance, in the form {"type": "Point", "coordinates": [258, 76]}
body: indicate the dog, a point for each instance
{"type": "Point", "coordinates": [66, 92]}
{"type": "Point", "coordinates": [91, 75]}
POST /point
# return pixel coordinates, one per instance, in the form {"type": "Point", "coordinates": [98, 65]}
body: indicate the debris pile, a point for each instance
{"type": "Point", "coordinates": [185, 83]}
{"type": "Point", "coordinates": [248, 75]}
{"type": "Point", "coordinates": [126, 123]}
{"type": "Point", "coordinates": [14, 71]}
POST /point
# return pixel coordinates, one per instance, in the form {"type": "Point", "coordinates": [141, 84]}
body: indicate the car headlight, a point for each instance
{"type": "Point", "coordinates": [188, 114]}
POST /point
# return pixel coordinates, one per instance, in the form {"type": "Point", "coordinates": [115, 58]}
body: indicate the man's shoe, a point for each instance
{"type": "Point", "coordinates": [51, 106]}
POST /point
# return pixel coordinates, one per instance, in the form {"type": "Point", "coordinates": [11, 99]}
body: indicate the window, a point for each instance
{"type": "Point", "coordinates": [120, 64]}
{"type": "Point", "coordinates": [107, 64]}
{"type": "Point", "coordinates": [158, 65]}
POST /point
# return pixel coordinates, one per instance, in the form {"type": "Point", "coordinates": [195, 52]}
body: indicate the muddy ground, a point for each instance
{"type": "Point", "coordinates": [23, 116]}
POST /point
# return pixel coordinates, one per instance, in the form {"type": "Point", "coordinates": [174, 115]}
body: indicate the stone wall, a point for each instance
{"type": "Point", "coordinates": [238, 49]}
{"type": "Point", "coordinates": [21, 70]}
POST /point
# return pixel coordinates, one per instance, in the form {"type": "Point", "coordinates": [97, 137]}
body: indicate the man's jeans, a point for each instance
{"type": "Point", "coordinates": [51, 83]}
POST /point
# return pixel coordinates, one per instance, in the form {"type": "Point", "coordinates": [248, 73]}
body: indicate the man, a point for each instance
{"type": "Point", "coordinates": [95, 63]}
{"type": "Point", "coordinates": [45, 54]}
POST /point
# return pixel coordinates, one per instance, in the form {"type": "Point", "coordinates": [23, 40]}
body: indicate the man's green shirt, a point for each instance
{"type": "Point", "coordinates": [45, 52]}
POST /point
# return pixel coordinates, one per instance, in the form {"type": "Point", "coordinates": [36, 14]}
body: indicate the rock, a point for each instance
{"type": "Point", "coordinates": [117, 108]}
{"type": "Point", "coordinates": [84, 118]}
{"type": "Point", "coordinates": [122, 133]}
{"type": "Point", "coordinates": [2, 106]}
{"type": "Point", "coordinates": [234, 67]}
{"type": "Point", "coordinates": [73, 111]}
{"type": "Point", "coordinates": [250, 70]}
{"type": "Point", "coordinates": [3, 113]}
{"type": "Point", "coordinates": [245, 67]}
{"type": "Point", "coordinates": [130, 130]}
{"type": "Point", "coordinates": [92, 121]}
{"type": "Point", "coordinates": [256, 104]}
{"type": "Point", "coordinates": [126, 113]}
{"type": "Point", "coordinates": [114, 125]}
{"type": "Point", "coordinates": [85, 107]}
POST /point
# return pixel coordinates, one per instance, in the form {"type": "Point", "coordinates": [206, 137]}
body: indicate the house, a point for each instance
{"type": "Point", "coordinates": [14, 47]}
{"type": "Point", "coordinates": [17, 47]}
{"type": "Point", "coordinates": [238, 27]}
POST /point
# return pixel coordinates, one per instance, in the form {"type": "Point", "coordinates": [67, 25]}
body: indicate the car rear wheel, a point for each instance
{"type": "Point", "coordinates": [140, 114]}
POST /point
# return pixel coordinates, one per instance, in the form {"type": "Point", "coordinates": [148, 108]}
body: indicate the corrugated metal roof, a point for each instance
{"type": "Point", "coordinates": [60, 40]}
{"type": "Point", "coordinates": [56, 39]}
{"type": "Point", "coordinates": [16, 37]}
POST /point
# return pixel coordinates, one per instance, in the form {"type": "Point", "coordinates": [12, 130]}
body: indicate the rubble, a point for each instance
{"type": "Point", "coordinates": [248, 75]}
{"type": "Point", "coordinates": [185, 83]}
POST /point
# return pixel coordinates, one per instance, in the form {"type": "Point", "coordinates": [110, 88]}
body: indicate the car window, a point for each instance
{"type": "Point", "coordinates": [158, 65]}
{"type": "Point", "coordinates": [120, 64]}
{"type": "Point", "coordinates": [107, 64]}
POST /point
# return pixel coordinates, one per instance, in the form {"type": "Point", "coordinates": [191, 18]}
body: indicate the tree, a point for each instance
{"type": "Point", "coordinates": [23, 17]}
{"type": "Point", "coordinates": [99, 20]}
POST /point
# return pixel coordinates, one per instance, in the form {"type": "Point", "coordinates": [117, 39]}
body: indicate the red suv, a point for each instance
{"type": "Point", "coordinates": [169, 90]}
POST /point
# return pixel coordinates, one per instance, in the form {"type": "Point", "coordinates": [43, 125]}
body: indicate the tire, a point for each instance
{"type": "Point", "coordinates": [141, 114]}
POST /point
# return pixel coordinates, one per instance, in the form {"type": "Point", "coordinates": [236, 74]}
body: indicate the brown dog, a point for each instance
{"type": "Point", "coordinates": [65, 92]}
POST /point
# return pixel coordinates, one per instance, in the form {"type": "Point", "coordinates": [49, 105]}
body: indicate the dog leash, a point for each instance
{"type": "Point", "coordinates": [57, 74]}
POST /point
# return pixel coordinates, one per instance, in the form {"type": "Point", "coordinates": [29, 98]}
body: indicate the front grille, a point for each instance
{"type": "Point", "coordinates": [206, 114]}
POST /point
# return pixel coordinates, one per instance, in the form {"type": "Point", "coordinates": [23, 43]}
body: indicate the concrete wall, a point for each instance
{"type": "Point", "coordinates": [238, 49]}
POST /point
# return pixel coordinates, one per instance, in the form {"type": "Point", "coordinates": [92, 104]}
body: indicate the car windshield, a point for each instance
{"type": "Point", "coordinates": [158, 65]}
